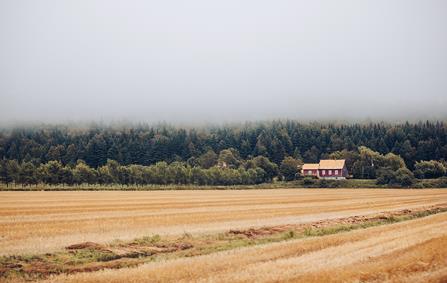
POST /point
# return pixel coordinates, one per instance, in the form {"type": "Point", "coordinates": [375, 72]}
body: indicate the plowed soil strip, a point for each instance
{"type": "Point", "coordinates": [91, 256]}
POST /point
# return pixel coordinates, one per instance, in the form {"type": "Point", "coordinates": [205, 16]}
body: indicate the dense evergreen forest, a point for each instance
{"type": "Point", "coordinates": [258, 151]}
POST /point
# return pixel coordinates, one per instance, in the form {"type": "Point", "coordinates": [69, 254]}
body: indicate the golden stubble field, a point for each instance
{"type": "Point", "coordinates": [415, 250]}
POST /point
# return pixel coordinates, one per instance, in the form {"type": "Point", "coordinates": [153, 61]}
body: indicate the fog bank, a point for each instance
{"type": "Point", "coordinates": [207, 62]}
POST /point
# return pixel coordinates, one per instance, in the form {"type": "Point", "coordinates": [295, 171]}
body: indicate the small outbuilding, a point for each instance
{"type": "Point", "coordinates": [326, 169]}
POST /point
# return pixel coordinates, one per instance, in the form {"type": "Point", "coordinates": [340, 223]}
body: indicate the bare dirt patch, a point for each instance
{"type": "Point", "coordinates": [86, 245]}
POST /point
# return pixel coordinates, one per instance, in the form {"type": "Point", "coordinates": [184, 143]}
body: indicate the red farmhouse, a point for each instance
{"type": "Point", "coordinates": [326, 169]}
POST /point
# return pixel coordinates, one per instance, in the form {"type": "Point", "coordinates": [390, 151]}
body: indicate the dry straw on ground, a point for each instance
{"type": "Point", "coordinates": [415, 250]}
{"type": "Point", "coordinates": [38, 222]}
{"type": "Point", "coordinates": [411, 251]}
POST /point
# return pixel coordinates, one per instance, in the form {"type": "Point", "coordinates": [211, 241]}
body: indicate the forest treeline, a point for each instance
{"type": "Point", "coordinates": [227, 168]}
{"type": "Point", "coordinates": [247, 154]}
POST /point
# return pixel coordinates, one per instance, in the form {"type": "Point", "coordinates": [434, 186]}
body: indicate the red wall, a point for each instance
{"type": "Point", "coordinates": [306, 172]}
{"type": "Point", "coordinates": [339, 172]}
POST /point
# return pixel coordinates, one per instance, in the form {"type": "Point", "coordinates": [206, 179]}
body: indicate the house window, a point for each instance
{"type": "Point", "coordinates": [309, 172]}
{"type": "Point", "coordinates": [336, 172]}
{"type": "Point", "coordinates": [330, 172]}
{"type": "Point", "coordinates": [323, 172]}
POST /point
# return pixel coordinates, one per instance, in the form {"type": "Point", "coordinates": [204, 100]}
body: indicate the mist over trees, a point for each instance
{"type": "Point", "coordinates": [146, 145]}
{"type": "Point", "coordinates": [247, 154]}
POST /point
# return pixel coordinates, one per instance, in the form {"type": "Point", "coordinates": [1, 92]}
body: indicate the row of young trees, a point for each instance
{"type": "Point", "coordinates": [225, 168]}
{"type": "Point", "coordinates": [254, 171]}
{"type": "Point", "coordinates": [146, 145]}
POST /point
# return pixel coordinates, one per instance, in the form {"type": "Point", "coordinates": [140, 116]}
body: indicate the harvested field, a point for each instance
{"type": "Point", "coordinates": [411, 251]}
{"type": "Point", "coordinates": [40, 222]}
{"type": "Point", "coordinates": [91, 256]}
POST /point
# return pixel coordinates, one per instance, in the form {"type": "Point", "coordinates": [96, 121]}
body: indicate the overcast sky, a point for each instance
{"type": "Point", "coordinates": [222, 61]}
